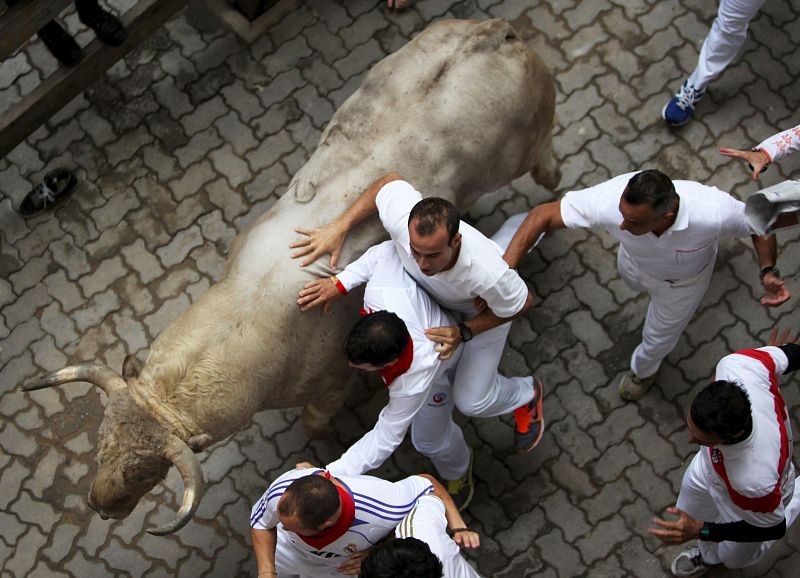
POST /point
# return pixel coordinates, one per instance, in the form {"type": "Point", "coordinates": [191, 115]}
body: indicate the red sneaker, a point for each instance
{"type": "Point", "coordinates": [529, 422]}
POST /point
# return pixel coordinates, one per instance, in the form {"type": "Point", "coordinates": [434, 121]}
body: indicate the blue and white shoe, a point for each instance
{"type": "Point", "coordinates": [680, 109]}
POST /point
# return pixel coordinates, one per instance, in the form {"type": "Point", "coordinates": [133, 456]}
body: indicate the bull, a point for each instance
{"type": "Point", "coordinates": [461, 110]}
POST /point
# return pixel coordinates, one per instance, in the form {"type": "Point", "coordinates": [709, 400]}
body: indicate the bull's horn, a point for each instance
{"type": "Point", "coordinates": [194, 485]}
{"type": "Point", "coordinates": [100, 375]}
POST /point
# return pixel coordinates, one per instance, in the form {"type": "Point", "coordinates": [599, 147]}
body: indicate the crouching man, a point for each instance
{"type": "Point", "coordinates": [737, 496]}
{"type": "Point", "coordinates": [310, 524]}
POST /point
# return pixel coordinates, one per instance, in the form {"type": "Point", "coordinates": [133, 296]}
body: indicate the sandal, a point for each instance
{"type": "Point", "coordinates": [55, 184]}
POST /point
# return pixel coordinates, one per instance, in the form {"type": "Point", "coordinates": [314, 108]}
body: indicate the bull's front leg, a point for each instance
{"type": "Point", "coordinates": [545, 170]}
{"type": "Point", "coordinates": [318, 414]}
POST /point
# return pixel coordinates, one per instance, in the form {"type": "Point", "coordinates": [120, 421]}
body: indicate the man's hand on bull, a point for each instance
{"type": "Point", "coordinates": [317, 242]}
{"type": "Point", "coordinates": [318, 292]}
{"type": "Point", "coordinates": [775, 291]}
{"type": "Point", "coordinates": [448, 339]}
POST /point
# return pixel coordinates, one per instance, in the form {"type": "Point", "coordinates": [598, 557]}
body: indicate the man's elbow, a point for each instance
{"type": "Point", "coordinates": [528, 304]}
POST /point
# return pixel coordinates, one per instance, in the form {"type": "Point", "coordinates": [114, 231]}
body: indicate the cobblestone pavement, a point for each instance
{"type": "Point", "coordinates": [194, 135]}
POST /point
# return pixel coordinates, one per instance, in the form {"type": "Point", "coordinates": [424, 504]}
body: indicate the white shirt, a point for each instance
{"type": "Point", "coordinates": [782, 144]}
{"type": "Point", "coordinates": [427, 522]}
{"type": "Point", "coordinates": [479, 270]}
{"type": "Point", "coordinates": [380, 505]}
{"type": "Point", "coordinates": [757, 492]}
{"type": "Point", "coordinates": [684, 250]}
{"type": "Point", "coordinates": [390, 288]}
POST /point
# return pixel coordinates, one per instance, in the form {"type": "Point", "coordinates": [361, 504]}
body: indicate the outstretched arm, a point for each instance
{"type": "Point", "coordinates": [686, 528]}
{"type": "Point", "coordinates": [758, 160]}
{"type": "Point", "coordinates": [775, 290]}
{"type": "Point", "coordinates": [463, 536]}
{"type": "Point", "coordinates": [546, 217]}
{"type": "Point", "coordinates": [330, 238]}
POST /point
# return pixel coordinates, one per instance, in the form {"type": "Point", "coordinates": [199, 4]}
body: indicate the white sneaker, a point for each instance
{"type": "Point", "coordinates": [689, 563]}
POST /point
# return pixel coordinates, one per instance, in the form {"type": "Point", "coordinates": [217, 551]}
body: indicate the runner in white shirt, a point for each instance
{"type": "Point", "coordinates": [773, 149]}
{"type": "Point", "coordinates": [313, 528]}
{"type": "Point", "coordinates": [422, 543]}
{"type": "Point", "coordinates": [464, 271]}
{"type": "Point", "coordinates": [737, 495]}
{"type": "Point", "coordinates": [419, 383]}
{"type": "Point", "coordinates": [668, 234]}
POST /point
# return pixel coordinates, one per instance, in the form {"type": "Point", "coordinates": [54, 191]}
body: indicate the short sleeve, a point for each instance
{"type": "Point", "coordinates": [395, 201]}
{"type": "Point", "coordinates": [507, 296]}
{"type": "Point", "coordinates": [264, 514]}
{"type": "Point", "coordinates": [597, 206]}
{"type": "Point", "coordinates": [733, 222]}
{"type": "Point", "coordinates": [410, 489]}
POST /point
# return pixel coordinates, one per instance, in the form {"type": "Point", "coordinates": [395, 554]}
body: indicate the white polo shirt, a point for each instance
{"type": "Point", "coordinates": [379, 507]}
{"type": "Point", "coordinates": [754, 479]}
{"type": "Point", "coordinates": [479, 271]}
{"type": "Point", "coordinates": [390, 288]}
{"type": "Point", "coordinates": [684, 250]}
{"type": "Point", "coordinates": [427, 522]}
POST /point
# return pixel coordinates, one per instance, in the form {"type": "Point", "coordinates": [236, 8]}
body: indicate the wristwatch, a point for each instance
{"type": "Point", "coordinates": [771, 269]}
{"type": "Point", "coordinates": [466, 332]}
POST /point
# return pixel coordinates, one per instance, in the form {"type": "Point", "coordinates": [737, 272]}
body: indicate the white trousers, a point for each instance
{"type": "Point", "coordinates": [672, 306]}
{"type": "Point", "coordinates": [727, 34]}
{"type": "Point", "coordinates": [436, 436]}
{"type": "Point", "coordinates": [701, 500]}
{"type": "Point", "coordinates": [480, 391]}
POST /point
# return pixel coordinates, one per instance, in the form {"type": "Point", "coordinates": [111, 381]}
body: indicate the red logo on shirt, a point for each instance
{"type": "Point", "coordinates": [716, 456]}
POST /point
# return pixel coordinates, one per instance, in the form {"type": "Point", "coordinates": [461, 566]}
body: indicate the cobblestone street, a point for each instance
{"type": "Point", "coordinates": [195, 134]}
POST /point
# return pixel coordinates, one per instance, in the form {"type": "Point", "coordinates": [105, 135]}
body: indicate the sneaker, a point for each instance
{"type": "Point", "coordinates": [60, 43]}
{"type": "Point", "coordinates": [55, 184]}
{"type": "Point", "coordinates": [689, 563]}
{"type": "Point", "coordinates": [528, 421]}
{"type": "Point", "coordinates": [461, 490]}
{"type": "Point", "coordinates": [632, 387]}
{"type": "Point", "coordinates": [107, 26]}
{"type": "Point", "coordinates": [680, 109]}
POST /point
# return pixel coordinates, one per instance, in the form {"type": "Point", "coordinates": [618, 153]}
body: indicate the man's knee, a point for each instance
{"type": "Point", "coordinates": [740, 555]}
{"type": "Point", "coordinates": [470, 405]}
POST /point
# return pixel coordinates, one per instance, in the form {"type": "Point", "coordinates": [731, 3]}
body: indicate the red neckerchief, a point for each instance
{"type": "Point", "coordinates": [330, 535]}
{"type": "Point", "coordinates": [400, 366]}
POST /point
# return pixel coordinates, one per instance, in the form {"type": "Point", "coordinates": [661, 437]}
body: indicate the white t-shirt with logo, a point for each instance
{"type": "Point", "coordinates": [479, 271]}
{"type": "Point", "coordinates": [379, 507]}
{"type": "Point", "coordinates": [684, 250]}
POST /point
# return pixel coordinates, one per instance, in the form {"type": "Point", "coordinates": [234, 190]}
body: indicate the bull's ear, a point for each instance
{"type": "Point", "coordinates": [130, 367]}
{"type": "Point", "coordinates": [199, 442]}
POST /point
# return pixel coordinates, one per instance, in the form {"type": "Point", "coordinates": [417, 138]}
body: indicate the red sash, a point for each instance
{"type": "Point", "coordinates": [400, 366]}
{"type": "Point", "coordinates": [329, 535]}
{"type": "Point", "coordinates": [769, 502]}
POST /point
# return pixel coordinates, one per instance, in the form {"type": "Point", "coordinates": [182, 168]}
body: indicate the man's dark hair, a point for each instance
{"type": "Point", "coordinates": [402, 558]}
{"type": "Point", "coordinates": [312, 499]}
{"type": "Point", "coordinates": [653, 188]}
{"type": "Point", "coordinates": [377, 339]}
{"type": "Point", "coordinates": [432, 213]}
{"type": "Point", "coordinates": [722, 408]}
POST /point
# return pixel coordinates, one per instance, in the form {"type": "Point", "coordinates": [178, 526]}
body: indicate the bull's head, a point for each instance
{"type": "Point", "coordinates": [135, 451]}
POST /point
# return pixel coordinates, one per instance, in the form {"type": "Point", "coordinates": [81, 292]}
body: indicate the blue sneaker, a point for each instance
{"type": "Point", "coordinates": [680, 109]}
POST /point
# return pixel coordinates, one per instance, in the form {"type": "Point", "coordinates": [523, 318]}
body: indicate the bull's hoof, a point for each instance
{"type": "Point", "coordinates": [316, 424]}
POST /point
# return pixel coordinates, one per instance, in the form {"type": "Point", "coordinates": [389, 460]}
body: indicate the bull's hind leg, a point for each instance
{"type": "Point", "coordinates": [318, 414]}
{"type": "Point", "coordinates": [545, 170]}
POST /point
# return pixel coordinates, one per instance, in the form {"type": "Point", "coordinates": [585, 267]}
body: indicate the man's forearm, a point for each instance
{"type": "Point", "coordinates": [264, 544]}
{"type": "Point", "coordinates": [487, 320]}
{"type": "Point", "coordinates": [541, 219]}
{"type": "Point", "coordinates": [741, 531]}
{"type": "Point", "coordinates": [451, 513]}
{"type": "Point", "coordinates": [766, 250]}
{"type": "Point", "coordinates": [365, 205]}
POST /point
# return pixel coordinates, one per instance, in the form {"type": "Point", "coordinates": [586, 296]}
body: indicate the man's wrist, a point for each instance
{"type": "Point", "coordinates": [767, 270]}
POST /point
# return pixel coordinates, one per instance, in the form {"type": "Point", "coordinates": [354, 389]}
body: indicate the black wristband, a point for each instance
{"type": "Point", "coordinates": [771, 269]}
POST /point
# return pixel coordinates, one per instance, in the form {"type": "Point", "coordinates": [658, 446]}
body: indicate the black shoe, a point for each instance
{"type": "Point", "coordinates": [107, 26]}
{"type": "Point", "coordinates": [60, 44]}
{"type": "Point", "coordinates": [55, 184]}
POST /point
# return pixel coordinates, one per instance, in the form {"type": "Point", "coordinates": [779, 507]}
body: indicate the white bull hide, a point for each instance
{"type": "Point", "coordinates": [461, 110]}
